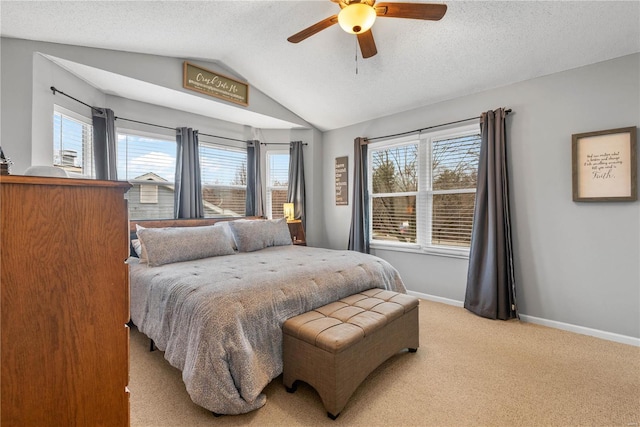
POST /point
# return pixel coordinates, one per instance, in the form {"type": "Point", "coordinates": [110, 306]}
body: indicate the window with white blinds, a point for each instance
{"type": "Point", "coordinates": [454, 173]}
{"type": "Point", "coordinates": [73, 142]}
{"type": "Point", "coordinates": [224, 180]}
{"type": "Point", "coordinates": [148, 162]}
{"type": "Point", "coordinates": [394, 185]}
{"type": "Point", "coordinates": [277, 182]}
{"type": "Point", "coordinates": [422, 190]}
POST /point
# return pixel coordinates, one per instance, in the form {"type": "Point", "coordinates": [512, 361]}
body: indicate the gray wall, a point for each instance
{"type": "Point", "coordinates": [576, 263]}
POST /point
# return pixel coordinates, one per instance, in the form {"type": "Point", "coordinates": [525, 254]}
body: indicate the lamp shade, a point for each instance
{"type": "Point", "coordinates": [357, 18]}
{"type": "Point", "coordinates": [287, 208]}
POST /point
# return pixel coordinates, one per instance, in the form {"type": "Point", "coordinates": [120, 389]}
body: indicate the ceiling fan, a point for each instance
{"type": "Point", "coordinates": [357, 17]}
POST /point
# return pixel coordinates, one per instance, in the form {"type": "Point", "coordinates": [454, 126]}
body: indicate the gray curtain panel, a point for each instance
{"type": "Point", "coordinates": [254, 203]}
{"type": "Point", "coordinates": [490, 278]}
{"type": "Point", "coordinates": [105, 144]}
{"type": "Point", "coordinates": [359, 233]}
{"type": "Point", "coordinates": [188, 185]}
{"type": "Point", "coordinates": [295, 192]}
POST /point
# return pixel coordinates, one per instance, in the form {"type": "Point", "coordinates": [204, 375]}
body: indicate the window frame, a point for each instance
{"type": "Point", "coordinates": [207, 144]}
{"type": "Point", "coordinates": [150, 135]}
{"type": "Point", "coordinates": [424, 195]}
{"type": "Point", "coordinates": [87, 146]}
{"type": "Point", "coordinates": [380, 146]}
{"type": "Point", "coordinates": [268, 187]}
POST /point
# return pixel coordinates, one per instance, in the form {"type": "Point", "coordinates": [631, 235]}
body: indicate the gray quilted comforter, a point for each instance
{"type": "Point", "coordinates": [219, 319]}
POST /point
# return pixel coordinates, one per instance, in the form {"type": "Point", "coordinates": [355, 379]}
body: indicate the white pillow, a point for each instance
{"type": "Point", "coordinates": [253, 235]}
{"type": "Point", "coordinates": [177, 244]}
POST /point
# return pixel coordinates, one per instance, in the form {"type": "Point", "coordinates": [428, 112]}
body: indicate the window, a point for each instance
{"type": "Point", "coordinates": [149, 194]}
{"type": "Point", "coordinates": [224, 180]}
{"type": "Point", "coordinates": [422, 190]}
{"type": "Point", "coordinates": [148, 162]}
{"type": "Point", "coordinates": [394, 183]}
{"type": "Point", "coordinates": [277, 182]}
{"type": "Point", "coordinates": [72, 142]}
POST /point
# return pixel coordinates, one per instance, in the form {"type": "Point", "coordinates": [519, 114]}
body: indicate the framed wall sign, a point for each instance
{"type": "Point", "coordinates": [605, 165]}
{"type": "Point", "coordinates": [342, 181]}
{"type": "Point", "coordinates": [215, 84]}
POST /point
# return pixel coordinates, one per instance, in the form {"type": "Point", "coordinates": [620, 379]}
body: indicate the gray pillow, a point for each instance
{"type": "Point", "coordinates": [253, 235]}
{"type": "Point", "coordinates": [176, 244]}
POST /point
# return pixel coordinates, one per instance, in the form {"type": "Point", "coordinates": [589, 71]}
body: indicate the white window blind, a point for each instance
{"type": "Point", "coordinates": [277, 182]}
{"type": "Point", "coordinates": [224, 180]}
{"type": "Point", "coordinates": [394, 181]}
{"type": "Point", "coordinates": [454, 178]}
{"type": "Point", "coordinates": [72, 143]}
{"type": "Point", "coordinates": [148, 162]}
{"type": "Point", "coordinates": [422, 189]}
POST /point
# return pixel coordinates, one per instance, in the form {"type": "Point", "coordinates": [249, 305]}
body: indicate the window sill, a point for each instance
{"type": "Point", "coordinates": [424, 250]}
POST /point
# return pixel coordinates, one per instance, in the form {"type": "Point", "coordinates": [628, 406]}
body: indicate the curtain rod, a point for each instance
{"type": "Point", "coordinates": [54, 90]}
{"type": "Point", "coordinates": [280, 143]}
{"type": "Point", "coordinates": [429, 127]}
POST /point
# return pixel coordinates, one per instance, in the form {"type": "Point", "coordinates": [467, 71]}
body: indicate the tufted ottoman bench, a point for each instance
{"type": "Point", "coordinates": [333, 348]}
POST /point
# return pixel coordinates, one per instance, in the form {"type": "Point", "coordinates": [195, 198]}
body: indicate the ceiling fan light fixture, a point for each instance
{"type": "Point", "coordinates": [357, 18]}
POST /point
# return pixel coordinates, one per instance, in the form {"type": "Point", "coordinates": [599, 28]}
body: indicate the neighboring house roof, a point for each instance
{"type": "Point", "coordinates": [150, 176]}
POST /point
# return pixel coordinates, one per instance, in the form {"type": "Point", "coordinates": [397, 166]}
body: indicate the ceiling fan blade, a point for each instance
{"type": "Point", "coordinates": [427, 11]}
{"type": "Point", "coordinates": [315, 28]}
{"type": "Point", "coordinates": [367, 44]}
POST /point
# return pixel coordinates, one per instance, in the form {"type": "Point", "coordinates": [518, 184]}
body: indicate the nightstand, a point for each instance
{"type": "Point", "coordinates": [297, 232]}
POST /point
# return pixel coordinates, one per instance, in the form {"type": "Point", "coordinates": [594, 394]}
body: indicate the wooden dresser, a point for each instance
{"type": "Point", "coordinates": [64, 301]}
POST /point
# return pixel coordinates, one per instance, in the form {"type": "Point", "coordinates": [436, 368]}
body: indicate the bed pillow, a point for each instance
{"type": "Point", "coordinates": [139, 247]}
{"type": "Point", "coordinates": [253, 235]}
{"type": "Point", "coordinates": [177, 244]}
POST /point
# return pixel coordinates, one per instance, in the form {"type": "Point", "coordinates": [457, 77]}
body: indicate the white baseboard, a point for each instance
{"type": "Point", "coordinates": [610, 336]}
{"type": "Point", "coordinates": [436, 299]}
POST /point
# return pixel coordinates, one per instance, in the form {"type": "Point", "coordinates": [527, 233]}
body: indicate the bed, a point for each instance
{"type": "Point", "coordinates": [218, 318]}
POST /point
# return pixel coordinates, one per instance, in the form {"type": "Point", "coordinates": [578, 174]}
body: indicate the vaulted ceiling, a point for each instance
{"type": "Point", "coordinates": [477, 46]}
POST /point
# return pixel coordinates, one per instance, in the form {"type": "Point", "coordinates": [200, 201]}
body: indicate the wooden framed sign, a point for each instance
{"type": "Point", "coordinates": [342, 181]}
{"type": "Point", "coordinates": [215, 84]}
{"type": "Point", "coordinates": [604, 165]}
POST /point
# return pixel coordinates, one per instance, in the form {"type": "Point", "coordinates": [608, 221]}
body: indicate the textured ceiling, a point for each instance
{"type": "Point", "coordinates": [476, 46]}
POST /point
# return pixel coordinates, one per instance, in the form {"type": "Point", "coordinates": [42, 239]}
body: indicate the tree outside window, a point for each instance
{"type": "Point", "coordinates": [422, 191]}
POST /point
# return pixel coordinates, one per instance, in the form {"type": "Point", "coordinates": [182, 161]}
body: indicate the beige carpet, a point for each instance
{"type": "Point", "coordinates": [469, 371]}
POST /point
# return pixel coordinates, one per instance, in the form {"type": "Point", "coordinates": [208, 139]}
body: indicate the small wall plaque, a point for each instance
{"type": "Point", "coordinates": [342, 180]}
{"type": "Point", "coordinates": [215, 84]}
